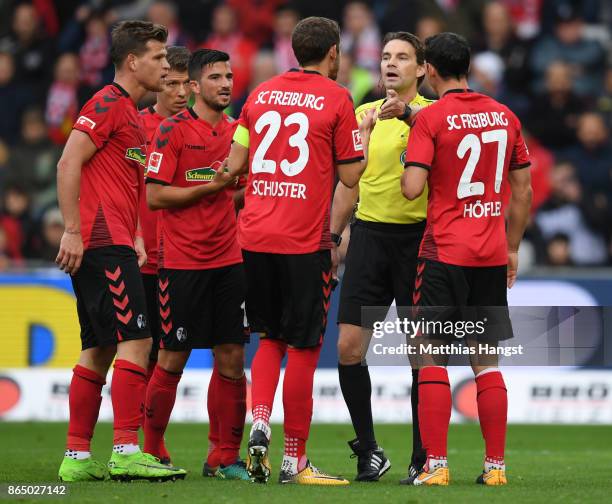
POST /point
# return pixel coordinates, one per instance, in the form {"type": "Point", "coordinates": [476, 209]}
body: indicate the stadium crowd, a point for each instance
{"type": "Point", "coordinates": [549, 60]}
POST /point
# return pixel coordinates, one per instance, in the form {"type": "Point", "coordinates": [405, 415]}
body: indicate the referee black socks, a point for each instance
{"type": "Point", "coordinates": [357, 390]}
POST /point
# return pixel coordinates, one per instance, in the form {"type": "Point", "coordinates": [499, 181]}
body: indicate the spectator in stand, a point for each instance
{"type": "Point", "coordinates": [554, 113]}
{"type": "Point", "coordinates": [65, 98]}
{"type": "Point", "coordinates": [284, 22]}
{"type": "Point", "coordinates": [5, 260]}
{"type": "Point", "coordinates": [542, 162]}
{"type": "Point", "coordinates": [4, 156]}
{"type": "Point", "coordinates": [17, 222]}
{"type": "Point", "coordinates": [526, 16]}
{"type": "Point", "coordinates": [565, 212]}
{"type": "Point", "coordinates": [264, 68]}
{"type": "Point", "coordinates": [31, 49]}
{"type": "Point", "coordinates": [585, 57]}
{"type": "Point", "coordinates": [499, 37]}
{"type": "Point", "coordinates": [360, 37]}
{"type": "Point", "coordinates": [52, 230]}
{"type": "Point", "coordinates": [558, 250]}
{"type": "Point", "coordinates": [428, 26]}
{"type": "Point", "coordinates": [486, 74]}
{"type": "Point", "coordinates": [33, 161]}
{"type": "Point", "coordinates": [95, 53]}
{"type": "Point", "coordinates": [226, 37]}
{"type": "Point", "coordinates": [604, 99]}
{"type": "Point", "coordinates": [13, 100]}
{"type": "Point", "coordinates": [358, 80]}
{"type": "Point", "coordinates": [592, 156]}
{"type": "Point", "coordinates": [165, 13]}
{"type": "Point", "coordinates": [256, 18]}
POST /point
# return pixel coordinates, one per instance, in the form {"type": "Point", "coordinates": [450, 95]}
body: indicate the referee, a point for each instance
{"type": "Point", "coordinates": [385, 237]}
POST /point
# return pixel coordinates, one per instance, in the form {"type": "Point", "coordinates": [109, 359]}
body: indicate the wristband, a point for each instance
{"type": "Point", "coordinates": [406, 114]}
{"type": "Point", "coordinates": [336, 238]}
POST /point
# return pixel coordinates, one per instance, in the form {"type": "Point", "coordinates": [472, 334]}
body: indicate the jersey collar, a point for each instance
{"type": "Point", "coordinates": [459, 90]}
{"type": "Point", "coordinates": [121, 90]}
{"type": "Point", "coordinates": [194, 114]}
{"type": "Point", "coordinates": [305, 71]}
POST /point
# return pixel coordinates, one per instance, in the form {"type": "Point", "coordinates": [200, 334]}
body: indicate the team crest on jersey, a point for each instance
{"type": "Point", "coordinates": [155, 160]}
{"type": "Point", "coordinates": [136, 154]}
{"type": "Point", "coordinates": [357, 140]}
{"type": "Point", "coordinates": [87, 122]}
{"type": "Point", "coordinates": [403, 157]}
{"type": "Point", "coordinates": [202, 174]}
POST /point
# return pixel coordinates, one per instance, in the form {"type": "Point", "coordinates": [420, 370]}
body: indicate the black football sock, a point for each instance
{"type": "Point", "coordinates": [357, 390]}
{"type": "Point", "coordinates": [418, 453]}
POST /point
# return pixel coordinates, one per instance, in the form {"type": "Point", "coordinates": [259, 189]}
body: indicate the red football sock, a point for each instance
{"type": "Point", "coordinates": [492, 399]}
{"type": "Point", "coordinates": [231, 408]}
{"type": "Point", "coordinates": [295, 447]}
{"type": "Point", "coordinates": [434, 410]}
{"type": "Point", "coordinates": [150, 370]}
{"type": "Point", "coordinates": [128, 391]}
{"type": "Point", "coordinates": [265, 371]}
{"type": "Point", "coordinates": [161, 394]}
{"type": "Point", "coordinates": [297, 396]}
{"type": "Point", "coordinates": [84, 399]}
{"type": "Point", "coordinates": [214, 454]}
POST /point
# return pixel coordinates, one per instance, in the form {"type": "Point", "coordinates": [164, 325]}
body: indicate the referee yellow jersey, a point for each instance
{"type": "Point", "coordinates": [380, 194]}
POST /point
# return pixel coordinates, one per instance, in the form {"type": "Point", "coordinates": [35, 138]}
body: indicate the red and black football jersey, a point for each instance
{"type": "Point", "coordinates": [468, 142]}
{"type": "Point", "coordinates": [148, 218]}
{"type": "Point", "coordinates": [300, 125]}
{"type": "Point", "coordinates": [186, 150]}
{"type": "Point", "coordinates": [111, 181]}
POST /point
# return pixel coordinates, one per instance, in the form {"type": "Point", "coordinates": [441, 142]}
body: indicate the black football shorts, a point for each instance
{"type": "Point", "coordinates": [202, 308]}
{"type": "Point", "coordinates": [288, 295]}
{"type": "Point", "coordinates": [380, 266]}
{"type": "Point", "coordinates": [110, 297]}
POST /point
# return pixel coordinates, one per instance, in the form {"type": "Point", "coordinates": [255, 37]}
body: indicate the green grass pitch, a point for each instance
{"type": "Point", "coordinates": [547, 464]}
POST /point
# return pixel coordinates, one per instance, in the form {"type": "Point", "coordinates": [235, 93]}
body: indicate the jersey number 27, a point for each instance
{"type": "Point", "coordinates": [471, 143]}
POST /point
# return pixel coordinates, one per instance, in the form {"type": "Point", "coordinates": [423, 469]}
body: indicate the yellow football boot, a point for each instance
{"type": "Point", "coordinates": [439, 476]}
{"type": "Point", "coordinates": [310, 475]}
{"type": "Point", "coordinates": [493, 477]}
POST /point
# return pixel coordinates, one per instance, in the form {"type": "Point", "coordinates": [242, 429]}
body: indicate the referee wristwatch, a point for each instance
{"type": "Point", "coordinates": [406, 114]}
{"type": "Point", "coordinates": [336, 238]}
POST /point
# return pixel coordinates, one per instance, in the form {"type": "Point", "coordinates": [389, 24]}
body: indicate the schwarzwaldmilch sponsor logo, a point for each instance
{"type": "Point", "coordinates": [136, 154]}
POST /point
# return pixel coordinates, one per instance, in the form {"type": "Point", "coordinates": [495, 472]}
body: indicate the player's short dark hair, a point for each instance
{"type": "Point", "coordinates": [178, 58]}
{"type": "Point", "coordinates": [312, 38]}
{"type": "Point", "coordinates": [414, 41]}
{"type": "Point", "coordinates": [449, 54]}
{"type": "Point", "coordinates": [203, 57]}
{"type": "Point", "coordinates": [131, 37]}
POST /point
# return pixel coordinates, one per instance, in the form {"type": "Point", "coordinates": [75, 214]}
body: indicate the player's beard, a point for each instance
{"type": "Point", "coordinates": [214, 103]}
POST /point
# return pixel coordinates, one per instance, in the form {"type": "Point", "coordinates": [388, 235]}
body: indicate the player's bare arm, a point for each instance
{"type": "Point", "coordinates": [237, 161]}
{"type": "Point", "coordinates": [79, 149]}
{"type": "Point", "coordinates": [413, 181]}
{"type": "Point", "coordinates": [518, 214]}
{"type": "Point", "coordinates": [161, 196]}
{"type": "Point", "coordinates": [139, 247]}
{"type": "Point", "coordinates": [350, 173]}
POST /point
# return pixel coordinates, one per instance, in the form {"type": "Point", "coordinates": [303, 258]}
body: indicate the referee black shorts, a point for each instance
{"type": "Point", "coordinates": [380, 266]}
